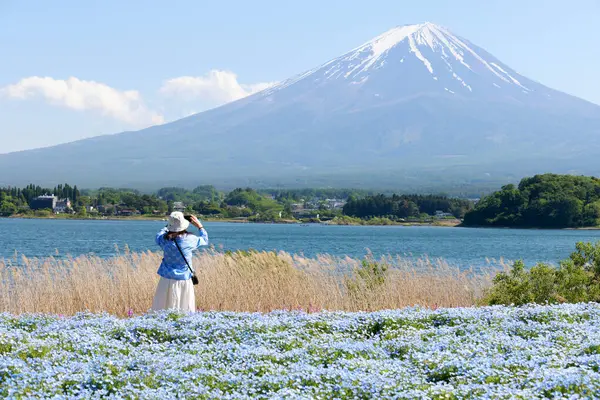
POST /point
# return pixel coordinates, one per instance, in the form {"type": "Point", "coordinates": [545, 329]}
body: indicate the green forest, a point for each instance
{"type": "Point", "coordinates": [397, 207]}
{"type": "Point", "coordinates": [541, 201]}
{"type": "Point", "coordinates": [16, 200]}
{"type": "Point", "coordinates": [240, 203]}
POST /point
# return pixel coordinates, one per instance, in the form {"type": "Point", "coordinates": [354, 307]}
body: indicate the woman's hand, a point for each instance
{"type": "Point", "coordinates": [196, 222]}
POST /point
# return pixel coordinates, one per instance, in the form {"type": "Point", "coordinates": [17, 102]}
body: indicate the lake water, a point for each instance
{"type": "Point", "coordinates": [462, 247]}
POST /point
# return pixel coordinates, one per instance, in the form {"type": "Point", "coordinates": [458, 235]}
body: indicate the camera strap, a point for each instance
{"type": "Point", "coordinates": [182, 255]}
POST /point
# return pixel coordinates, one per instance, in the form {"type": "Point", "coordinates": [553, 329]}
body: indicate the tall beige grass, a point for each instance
{"type": "Point", "coordinates": [236, 282]}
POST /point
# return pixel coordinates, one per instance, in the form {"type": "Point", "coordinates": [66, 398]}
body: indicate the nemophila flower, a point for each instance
{"type": "Point", "coordinates": [492, 352]}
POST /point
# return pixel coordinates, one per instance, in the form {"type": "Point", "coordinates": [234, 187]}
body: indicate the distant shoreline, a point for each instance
{"type": "Point", "coordinates": [442, 223]}
{"type": "Point", "coordinates": [439, 223]}
{"type": "Point", "coordinates": [64, 217]}
{"type": "Point", "coordinates": [529, 228]}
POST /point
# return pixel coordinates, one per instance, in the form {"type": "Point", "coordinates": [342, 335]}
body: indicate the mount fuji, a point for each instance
{"type": "Point", "coordinates": [416, 106]}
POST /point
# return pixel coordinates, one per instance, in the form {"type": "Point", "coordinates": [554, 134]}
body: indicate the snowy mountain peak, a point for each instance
{"type": "Point", "coordinates": [417, 35]}
{"type": "Point", "coordinates": [420, 51]}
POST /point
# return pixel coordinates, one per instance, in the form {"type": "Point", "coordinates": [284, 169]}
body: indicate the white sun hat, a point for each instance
{"type": "Point", "coordinates": [177, 223]}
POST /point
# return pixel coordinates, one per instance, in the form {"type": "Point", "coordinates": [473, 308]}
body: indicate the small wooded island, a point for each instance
{"type": "Point", "coordinates": [542, 201]}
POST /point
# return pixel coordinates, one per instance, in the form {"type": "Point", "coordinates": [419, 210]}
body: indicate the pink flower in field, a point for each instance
{"type": "Point", "coordinates": [130, 313]}
{"type": "Point", "coordinates": [200, 309]}
{"type": "Point", "coordinates": [312, 309]}
{"type": "Point", "coordinates": [61, 316]}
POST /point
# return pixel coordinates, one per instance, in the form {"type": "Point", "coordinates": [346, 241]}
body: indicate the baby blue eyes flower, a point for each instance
{"type": "Point", "coordinates": [413, 353]}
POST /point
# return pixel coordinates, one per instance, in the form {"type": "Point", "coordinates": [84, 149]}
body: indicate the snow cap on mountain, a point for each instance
{"type": "Point", "coordinates": [445, 57]}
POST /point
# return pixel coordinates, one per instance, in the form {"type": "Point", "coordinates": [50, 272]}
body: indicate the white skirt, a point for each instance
{"type": "Point", "coordinates": [174, 294]}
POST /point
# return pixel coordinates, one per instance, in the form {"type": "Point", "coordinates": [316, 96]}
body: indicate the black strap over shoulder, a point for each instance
{"type": "Point", "coordinates": [182, 255]}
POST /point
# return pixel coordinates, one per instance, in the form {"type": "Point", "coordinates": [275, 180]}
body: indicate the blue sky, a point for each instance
{"type": "Point", "coordinates": [76, 69]}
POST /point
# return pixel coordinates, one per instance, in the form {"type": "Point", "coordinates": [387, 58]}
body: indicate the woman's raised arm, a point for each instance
{"type": "Point", "coordinates": [202, 234]}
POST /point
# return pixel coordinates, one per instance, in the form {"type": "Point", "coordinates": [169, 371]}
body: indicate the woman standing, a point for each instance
{"type": "Point", "coordinates": [175, 289]}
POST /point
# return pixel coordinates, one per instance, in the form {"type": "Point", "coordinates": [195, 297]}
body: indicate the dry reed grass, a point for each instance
{"type": "Point", "coordinates": [236, 282]}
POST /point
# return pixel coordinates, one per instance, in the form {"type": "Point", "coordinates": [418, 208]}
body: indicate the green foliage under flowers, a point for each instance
{"type": "Point", "coordinates": [577, 279]}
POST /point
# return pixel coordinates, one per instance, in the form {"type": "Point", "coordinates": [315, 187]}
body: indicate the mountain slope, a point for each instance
{"type": "Point", "coordinates": [417, 103]}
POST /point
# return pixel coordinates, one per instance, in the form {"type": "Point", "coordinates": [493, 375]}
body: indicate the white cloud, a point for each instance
{"type": "Point", "coordinates": [126, 106]}
{"type": "Point", "coordinates": [258, 87]}
{"type": "Point", "coordinates": [216, 86]}
{"type": "Point", "coordinates": [190, 94]}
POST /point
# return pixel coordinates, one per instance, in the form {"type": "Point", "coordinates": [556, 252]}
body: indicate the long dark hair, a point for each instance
{"type": "Point", "coordinates": [173, 235]}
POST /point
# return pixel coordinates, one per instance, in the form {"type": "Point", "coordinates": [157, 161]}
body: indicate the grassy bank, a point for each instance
{"type": "Point", "coordinates": [135, 218]}
{"type": "Point", "coordinates": [125, 218]}
{"type": "Point", "coordinates": [343, 220]}
{"type": "Point", "coordinates": [90, 217]}
{"type": "Point", "coordinates": [377, 221]}
{"type": "Point", "coordinates": [235, 282]}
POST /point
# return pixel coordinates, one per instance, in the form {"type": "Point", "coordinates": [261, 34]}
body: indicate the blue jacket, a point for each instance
{"type": "Point", "coordinates": [173, 266]}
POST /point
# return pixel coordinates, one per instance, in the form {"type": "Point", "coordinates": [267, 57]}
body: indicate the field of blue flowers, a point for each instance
{"type": "Point", "coordinates": [491, 352]}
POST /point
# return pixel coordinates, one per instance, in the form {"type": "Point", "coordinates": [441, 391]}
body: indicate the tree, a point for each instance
{"type": "Point", "coordinates": [83, 201]}
{"type": "Point", "coordinates": [402, 206]}
{"type": "Point", "coordinates": [7, 208]}
{"type": "Point", "coordinates": [207, 208]}
{"type": "Point", "coordinates": [545, 201]}
{"type": "Point", "coordinates": [577, 279]}
{"type": "Point", "coordinates": [591, 214]}
{"type": "Point", "coordinates": [206, 192]}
